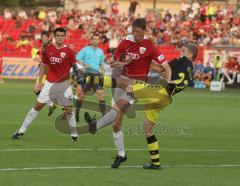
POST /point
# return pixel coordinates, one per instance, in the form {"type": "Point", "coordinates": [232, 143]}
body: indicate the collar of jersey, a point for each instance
{"type": "Point", "coordinates": [131, 38]}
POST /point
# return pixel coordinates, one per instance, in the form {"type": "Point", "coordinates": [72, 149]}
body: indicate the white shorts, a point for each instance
{"type": "Point", "coordinates": [60, 93]}
{"type": "Point", "coordinates": [119, 93]}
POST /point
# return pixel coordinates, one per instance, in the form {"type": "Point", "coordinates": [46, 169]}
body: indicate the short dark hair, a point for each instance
{"type": "Point", "coordinates": [193, 49]}
{"type": "Point", "coordinates": [45, 33]}
{"type": "Point", "coordinates": [59, 29]}
{"type": "Point", "coordinates": [140, 23]}
{"type": "Point", "coordinates": [95, 34]}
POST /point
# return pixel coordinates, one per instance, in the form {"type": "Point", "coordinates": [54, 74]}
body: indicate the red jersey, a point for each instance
{"type": "Point", "coordinates": [59, 62]}
{"type": "Point", "coordinates": [142, 53]}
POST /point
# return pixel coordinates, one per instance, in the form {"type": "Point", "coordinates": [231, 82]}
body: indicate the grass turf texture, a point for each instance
{"type": "Point", "coordinates": [199, 144]}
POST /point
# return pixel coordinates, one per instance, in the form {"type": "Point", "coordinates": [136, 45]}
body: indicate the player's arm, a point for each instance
{"type": "Point", "coordinates": [102, 70]}
{"type": "Point", "coordinates": [83, 64]}
{"type": "Point", "coordinates": [42, 72]}
{"type": "Point", "coordinates": [118, 64]}
{"type": "Point", "coordinates": [120, 58]}
{"type": "Point", "coordinates": [102, 62]}
{"type": "Point", "coordinates": [80, 58]}
{"type": "Point", "coordinates": [160, 65]}
{"type": "Point", "coordinates": [77, 73]}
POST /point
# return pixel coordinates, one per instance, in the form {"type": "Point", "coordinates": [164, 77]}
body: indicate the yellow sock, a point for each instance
{"type": "Point", "coordinates": [153, 149]}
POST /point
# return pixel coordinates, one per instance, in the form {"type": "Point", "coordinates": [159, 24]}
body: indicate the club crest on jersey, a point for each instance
{"type": "Point", "coordinates": [142, 50]}
{"type": "Point", "coordinates": [62, 54]}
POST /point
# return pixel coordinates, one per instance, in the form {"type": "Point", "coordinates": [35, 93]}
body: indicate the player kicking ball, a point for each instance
{"type": "Point", "coordinates": [152, 96]}
{"type": "Point", "coordinates": [58, 58]}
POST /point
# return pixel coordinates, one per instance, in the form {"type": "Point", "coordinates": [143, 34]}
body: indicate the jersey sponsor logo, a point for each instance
{"type": "Point", "coordinates": [133, 55]}
{"type": "Point", "coordinates": [62, 54]}
{"type": "Point", "coordinates": [161, 57]}
{"type": "Point", "coordinates": [142, 50]}
{"type": "Point", "coordinates": [55, 60]}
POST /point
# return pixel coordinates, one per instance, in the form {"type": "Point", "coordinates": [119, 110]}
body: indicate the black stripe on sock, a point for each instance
{"type": "Point", "coordinates": [151, 139]}
{"type": "Point", "coordinates": [153, 152]}
{"type": "Point", "coordinates": [155, 160]}
{"type": "Point", "coordinates": [114, 83]}
{"type": "Point", "coordinates": [101, 81]}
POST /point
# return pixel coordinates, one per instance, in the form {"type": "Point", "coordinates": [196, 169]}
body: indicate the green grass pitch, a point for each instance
{"type": "Point", "coordinates": [199, 137]}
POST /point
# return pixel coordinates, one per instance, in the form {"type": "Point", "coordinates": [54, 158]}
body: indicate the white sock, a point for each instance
{"type": "Point", "coordinates": [50, 103]}
{"type": "Point", "coordinates": [72, 124]}
{"type": "Point", "coordinates": [119, 142]}
{"type": "Point", "coordinates": [32, 114]}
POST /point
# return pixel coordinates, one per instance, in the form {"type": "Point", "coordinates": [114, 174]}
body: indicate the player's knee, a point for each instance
{"type": "Point", "coordinates": [38, 106]}
{"type": "Point", "coordinates": [68, 110]}
{"type": "Point", "coordinates": [117, 126]}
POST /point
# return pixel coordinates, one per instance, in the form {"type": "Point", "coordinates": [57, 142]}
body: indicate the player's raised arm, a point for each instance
{"type": "Point", "coordinates": [160, 65]}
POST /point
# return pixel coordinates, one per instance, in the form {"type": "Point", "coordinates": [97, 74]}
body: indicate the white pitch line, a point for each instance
{"type": "Point", "coordinates": [129, 166]}
{"type": "Point", "coordinates": [112, 149]}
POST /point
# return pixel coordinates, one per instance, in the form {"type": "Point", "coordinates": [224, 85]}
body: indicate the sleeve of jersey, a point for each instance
{"type": "Point", "coordinates": [119, 50]}
{"type": "Point", "coordinates": [72, 59]}
{"type": "Point", "coordinates": [102, 58]}
{"type": "Point", "coordinates": [80, 55]}
{"type": "Point", "coordinates": [158, 57]}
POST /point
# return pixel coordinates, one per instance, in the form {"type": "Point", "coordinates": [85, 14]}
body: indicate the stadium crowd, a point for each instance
{"type": "Point", "coordinates": [205, 24]}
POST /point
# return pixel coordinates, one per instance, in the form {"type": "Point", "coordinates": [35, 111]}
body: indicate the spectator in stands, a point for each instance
{"type": "Point", "coordinates": [42, 15]}
{"type": "Point", "coordinates": [22, 14]}
{"type": "Point", "coordinates": [7, 14]}
{"type": "Point", "coordinates": [185, 5]}
{"type": "Point", "coordinates": [115, 8]}
{"type": "Point", "coordinates": [208, 73]}
{"type": "Point", "coordinates": [113, 41]}
{"type": "Point", "coordinates": [195, 7]}
{"type": "Point", "coordinates": [132, 7]}
{"type": "Point", "coordinates": [211, 25]}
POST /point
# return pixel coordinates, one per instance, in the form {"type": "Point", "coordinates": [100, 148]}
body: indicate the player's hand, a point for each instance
{"type": "Point", "coordinates": [38, 87]}
{"type": "Point", "coordinates": [126, 58]}
{"type": "Point", "coordinates": [109, 59]}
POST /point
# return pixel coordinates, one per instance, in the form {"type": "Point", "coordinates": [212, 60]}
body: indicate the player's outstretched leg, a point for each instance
{"type": "Point", "coordinates": [32, 114]}
{"type": "Point", "coordinates": [94, 125]}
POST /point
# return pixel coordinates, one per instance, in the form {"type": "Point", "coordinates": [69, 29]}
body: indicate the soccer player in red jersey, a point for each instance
{"type": "Point", "coordinates": [37, 56]}
{"type": "Point", "coordinates": [57, 59]}
{"type": "Point", "coordinates": [138, 53]}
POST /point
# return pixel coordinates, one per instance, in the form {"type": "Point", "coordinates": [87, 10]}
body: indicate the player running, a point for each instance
{"type": "Point", "coordinates": [58, 58]}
